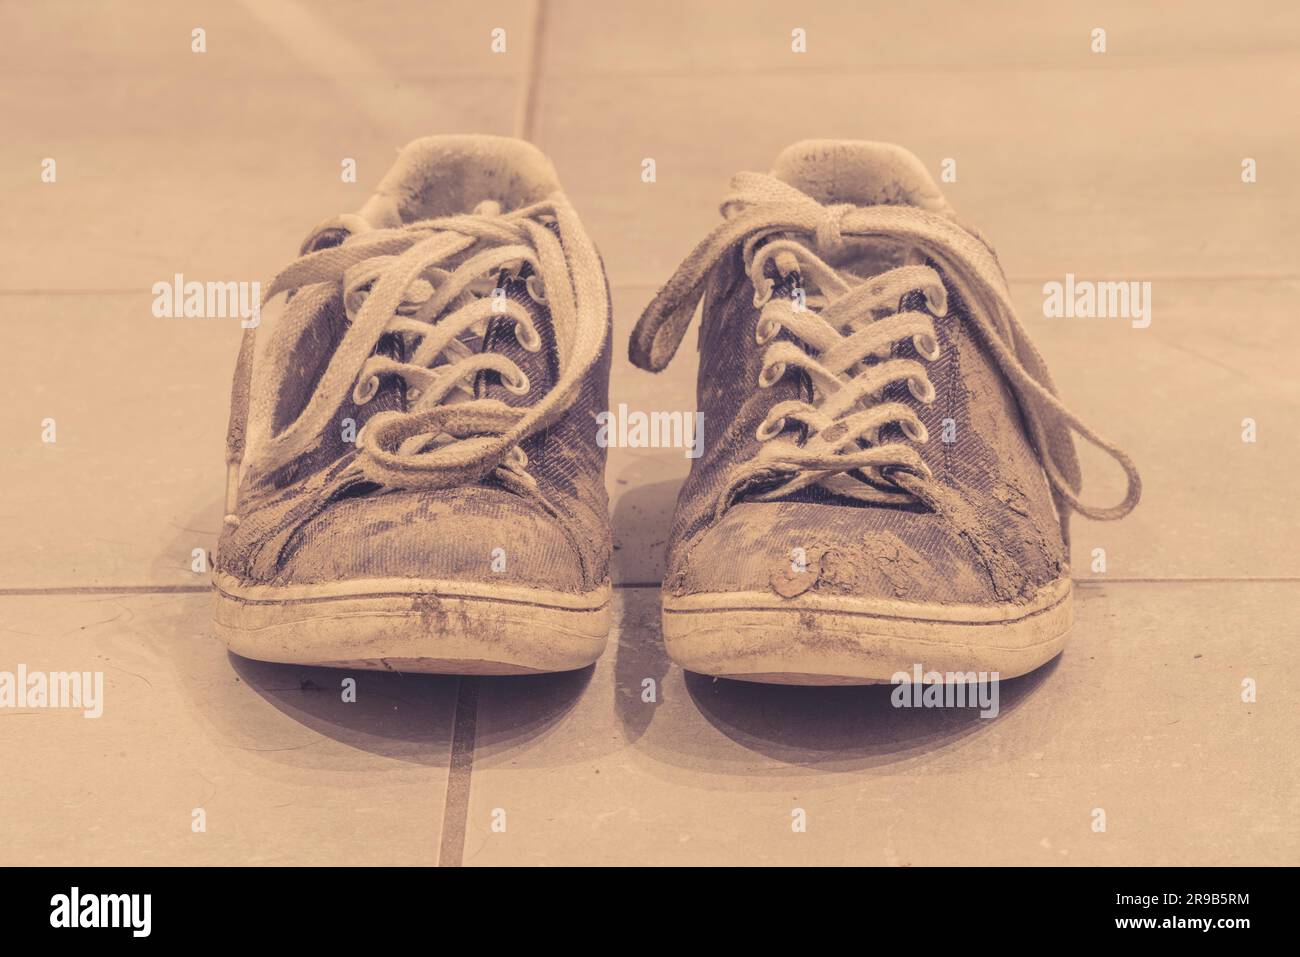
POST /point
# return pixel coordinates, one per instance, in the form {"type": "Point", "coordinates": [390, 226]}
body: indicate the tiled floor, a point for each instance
{"type": "Point", "coordinates": [1123, 165]}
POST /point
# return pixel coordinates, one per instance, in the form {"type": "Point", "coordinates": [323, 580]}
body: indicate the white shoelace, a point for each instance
{"type": "Point", "coordinates": [777, 222]}
{"type": "Point", "coordinates": [420, 282]}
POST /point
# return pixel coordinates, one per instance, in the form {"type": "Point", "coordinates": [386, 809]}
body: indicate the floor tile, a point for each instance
{"type": "Point", "coordinates": [133, 482]}
{"type": "Point", "coordinates": [1142, 717]}
{"type": "Point", "coordinates": [215, 180]}
{"type": "Point", "coordinates": [742, 37]}
{"type": "Point", "coordinates": [284, 770]}
{"type": "Point", "coordinates": [266, 39]}
{"type": "Point", "coordinates": [1132, 174]}
{"type": "Point", "coordinates": [1175, 396]}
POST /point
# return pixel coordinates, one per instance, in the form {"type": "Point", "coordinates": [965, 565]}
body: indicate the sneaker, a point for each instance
{"type": "Point", "coordinates": [413, 478]}
{"type": "Point", "coordinates": [887, 474]}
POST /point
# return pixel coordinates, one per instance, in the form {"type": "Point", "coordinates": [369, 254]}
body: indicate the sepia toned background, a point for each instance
{"type": "Point", "coordinates": [1118, 166]}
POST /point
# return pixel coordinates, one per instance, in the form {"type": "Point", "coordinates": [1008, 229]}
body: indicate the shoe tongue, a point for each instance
{"type": "Point", "coordinates": [860, 173]}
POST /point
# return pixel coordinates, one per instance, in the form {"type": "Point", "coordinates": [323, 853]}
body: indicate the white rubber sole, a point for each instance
{"type": "Point", "coordinates": [830, 640]}
{"type": "Point", "coordinates": [401, 624]}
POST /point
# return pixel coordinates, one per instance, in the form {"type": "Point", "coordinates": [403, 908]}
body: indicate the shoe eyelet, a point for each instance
{"type": "Point", "coordinates": [926, 396]}
{"type": "Point", "coordinates": [926, 345]}
{"type": "Point", "coordinates": [769, 430]}
{"type": "Point", "coordinates": [920, 470]}
{"type": "Point", "coordinates": [771, 374]}
{"type": "Point", "coordinates": [764, 331]}
{"type": "Point", "coordinates": [535, 291]}
{"type": "Point", "coordinates": [915, 430]}
{"type": "Point", "coordinates": [528, 338]}
{"type": "Point", "coordinates": [365, 390]}
{"type": "Point", "coordinates": [936, 299]}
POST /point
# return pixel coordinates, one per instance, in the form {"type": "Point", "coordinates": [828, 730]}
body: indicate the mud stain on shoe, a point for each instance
{"type": "Point", "coordinates": [902, 567]}
{"type": "Point", "coordinates": [1012, 498]}
{"type": "Point", "coordinates": [789, 583]}
{"type": "Point", "coordinates": [852, 569]}
{"type": "Point", "coordinates": [1007, 577]}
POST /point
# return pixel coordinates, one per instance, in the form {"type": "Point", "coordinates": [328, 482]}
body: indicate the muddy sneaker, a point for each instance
{"type": "Point", "coordinates": [414, 481]}
{"type": "Point", "coordinates": [887, 474]}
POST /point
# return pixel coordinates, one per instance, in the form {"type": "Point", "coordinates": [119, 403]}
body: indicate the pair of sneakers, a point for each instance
{"type": "Point", "coordinates": [416, 482]}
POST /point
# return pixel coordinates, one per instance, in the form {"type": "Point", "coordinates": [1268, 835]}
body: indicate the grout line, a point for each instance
{"type": "Point", "coordinates": [38, 591]}
{"type": "Point", "coordinates": [1198, 278]}
{"type": "Point", "coordinates": [107, 590]}
{"type": "Point", "coordinates": [455, 809]}
{"type": "Point", "coordinates": [1094, 580]}
{"type": "Point", "coordinates": [1106, 580]}
{"type": "Point", "coordinates": [138, 291]}
{"type": "Point", "coordinates": [847, 73]}
{"type": "Point", "coordinates": [526, 118]}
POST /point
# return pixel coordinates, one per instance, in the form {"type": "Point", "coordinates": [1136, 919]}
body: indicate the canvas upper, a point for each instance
{"type": "Point", "coordinates": [422, 405]}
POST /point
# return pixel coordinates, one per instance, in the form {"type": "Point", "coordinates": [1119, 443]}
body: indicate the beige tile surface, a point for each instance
{"type": "Point", "coordinates": [746, 37]}
{"type": "Point", "coordinates": [267, 40]}
{"type": "Point", "coordinates": [1141, 717]}
{"type": "Point", "coordinates": [214, 180]}
{"type": "Point", "coordinates": [216, 165]}
{"type": "Point", "coordinates": [133, 483]}
{"type": "Point", "coordinates": [1131, 174]}
{"type": "Point", "coordinates": [285, 771]}
{"type": "Point", "coordinates": [1174, 396]}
